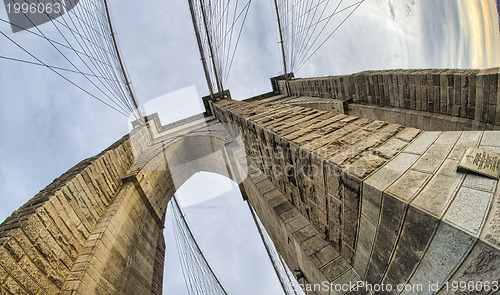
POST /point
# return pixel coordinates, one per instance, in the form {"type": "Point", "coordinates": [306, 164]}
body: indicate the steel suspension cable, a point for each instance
{"type": "Point", "coordinates": [198, 274]}
{"type": "Point", "coordinates": [326, 39]}
{"type": "Point", "coordinates": [304, 26]}
{"type": "Point", "coordinates": [219, 24]}
{"type": "Point", "coordinates": [87, 46]}
{"type": "Point", "coordinates": [62, 76]}
{"type": "Point", "coordinates": [289, 285]}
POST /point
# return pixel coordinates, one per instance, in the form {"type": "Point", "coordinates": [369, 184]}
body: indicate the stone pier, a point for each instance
{"type": "Point", "coordinates": [354, 177]}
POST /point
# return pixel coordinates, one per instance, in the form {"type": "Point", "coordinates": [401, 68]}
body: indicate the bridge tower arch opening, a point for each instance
{"type": "Point", "coordinates": [344, 198]}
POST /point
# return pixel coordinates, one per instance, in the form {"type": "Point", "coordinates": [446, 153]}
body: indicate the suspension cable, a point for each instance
{"type": "Point", "coordinates": [219, 24]}
{"type": "Point", "coordinates": [303, 26]}
{"type": "Point", "coordinates": [198, 275]}
{"type": "Point", "coordinates": [85, 46]}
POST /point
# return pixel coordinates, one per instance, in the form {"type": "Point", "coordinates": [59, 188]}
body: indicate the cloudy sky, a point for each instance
{"type": "Point", "coordinates": [228, 236]}
{"type": "Point", "coordinates": [47, 125]}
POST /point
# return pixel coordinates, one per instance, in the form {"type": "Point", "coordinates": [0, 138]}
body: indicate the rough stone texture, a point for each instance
{"type": "Point", "coordinates": [432, 192]}
{"type": "Point", "coordinates": [448, 248]}
{"type": "Point", "coordinates": [405, 201]}
{"type": "Point", "coordinates": [482, 264]}
{"type": "Point", "coordinates": [406, 194]}
{"type": "Point", "coordinates": [325, 170]}
{"type": "Point", "coordinates": [427, 99]}
{"type": "Point", "coordinates": [343, 198]}
{"type": "Point", "coordinates": [42, 240]}
{"type": "Point", "coordinates": [469, 209]}
{"type": "Point", "coordinates": [98, 229]}
{"type": "Point", "coordinates": [295, 159]}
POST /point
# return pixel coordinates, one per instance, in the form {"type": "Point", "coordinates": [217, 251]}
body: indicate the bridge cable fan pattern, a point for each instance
{"type": "Point", "coordinates": [79, 46]}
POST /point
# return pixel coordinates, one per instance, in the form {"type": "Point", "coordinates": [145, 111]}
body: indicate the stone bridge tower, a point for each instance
{"type": "Point", "coordinates": [354, 177]}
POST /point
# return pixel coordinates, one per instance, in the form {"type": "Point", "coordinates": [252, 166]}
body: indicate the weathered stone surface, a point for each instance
{"type": "Point", "coordinates": [431, 160]}
{"type": "Point", "coordinates": [422, 143]}
{"type": "Point", "coordinates": [304, 233]}
{"type": "Point", "coordinates": [339, 194]}
{"type": "Point", "coordinates": [325, 255]}
{"type": "Point", "coordinates": [468, 210]}
{"type": "Point", "coordinates": [391, 219]}
{"type": "Point", "coordinates": [335, 269]}
{"type": "Point", "coordinates": [390, 172]}
{"type": "Point", "coordinates": [371, 202]}
{"type": "Point", "coordinates": [490, 138]}
{"type": "Point", "coordinates": [467, 139]}
{"type": "Point", "coordinates": [408, 185]}
{"type": "Point", "coordinates": [297, 224]}
{"type": "Point", "coordinates": [418, 229]}
{"type": "Point", "coordinates": [313, 245]}
{"type": "Point", "coordinates": [343, 283]}
{"type": "Point", "coordinates": [446, 252]}
{"type": "Point", "coordinates": [439, 191]}
{"type": "Point", "coordinates": [481, 265]}
{"type": "Point", "coordinates": [481, 183]}
{"type": "Point", "coordinates": [366, 239]}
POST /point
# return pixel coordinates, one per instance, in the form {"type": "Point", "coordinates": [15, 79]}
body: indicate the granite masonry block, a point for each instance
{"type": "Point", "coordinates": [448, 249]}
{"type": "Point", "coordinates": [418, 229]}
{"type": "Point", "coordinates": [435, 197]}
{"type": "Point", "coordinates": [468, 210]}
{"type": "Point", "coordinates": [422, 143]}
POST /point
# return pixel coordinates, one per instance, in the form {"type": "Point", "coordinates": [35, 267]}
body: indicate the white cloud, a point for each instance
{"type": "Point", "coordinates": [225, 230]}
{"type": "Point", "coordinates": [203, 186]}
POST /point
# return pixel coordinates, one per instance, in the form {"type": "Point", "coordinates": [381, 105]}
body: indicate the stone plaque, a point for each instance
{"type": "Point", "coordinates": [480, 162]}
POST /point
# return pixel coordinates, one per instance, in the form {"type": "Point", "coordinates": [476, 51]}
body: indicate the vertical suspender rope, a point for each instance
{"type": "Point", "coordinates": [134, 101]}
{"type": "Point", "coordinates": [176, 204]}
{"type": "Point", "coordinates": [282, 48]}
{"type": "Point", "coordinates": [200, 47]}
{"type": "Point", "coordinates": [217, 78]}
{"type": "Point", "coordinates": [275, 267]}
